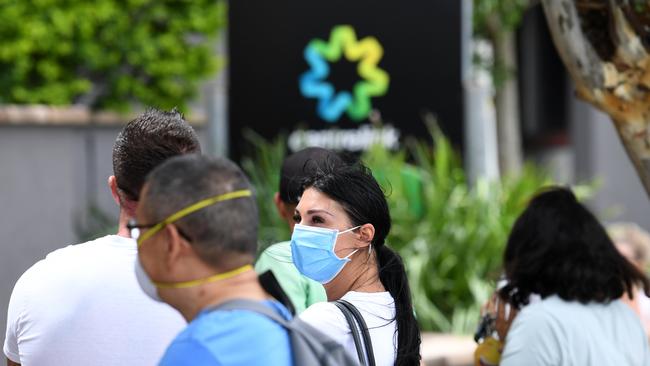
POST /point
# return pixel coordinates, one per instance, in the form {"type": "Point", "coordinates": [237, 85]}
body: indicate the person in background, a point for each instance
{"type": "Point", "coordinates": [634, 243]}
{"type": "Point", "coordinates": [82, 305]}
{"type": "Point", "coordinates": [196, 230]}
{"type": "Point", "coordinates": [342, 221]}
{"type": "Point", "coordinates": [297, 167]}
{"type": "Point", "coordinates": [558, 250]}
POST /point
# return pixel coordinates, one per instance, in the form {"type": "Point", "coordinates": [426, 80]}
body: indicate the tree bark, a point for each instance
{"type": "Point", "coordinates": [618, 84]}
{"type": "Point", "coordinates": [507, 106]}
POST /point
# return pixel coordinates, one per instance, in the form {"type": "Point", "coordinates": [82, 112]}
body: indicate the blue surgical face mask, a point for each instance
{"type": "Point", "coordinates": [312, 250]}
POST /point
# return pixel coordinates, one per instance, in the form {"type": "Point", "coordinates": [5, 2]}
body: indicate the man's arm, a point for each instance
{"type": "Point", "coordinates": [11, 363]}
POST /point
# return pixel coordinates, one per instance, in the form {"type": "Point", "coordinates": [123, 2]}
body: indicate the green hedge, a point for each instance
{"type": "Point", "coordinates": [107, 53]}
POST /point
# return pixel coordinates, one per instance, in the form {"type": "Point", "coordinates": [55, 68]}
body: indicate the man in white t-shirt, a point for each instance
{"type": "Point", "coordinates": [82, 304]}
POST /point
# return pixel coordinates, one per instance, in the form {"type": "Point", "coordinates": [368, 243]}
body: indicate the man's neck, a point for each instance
{"type": "Point", "coordinates": [244, 286]}
{"type": "Point", "coordinates": [122, 230]}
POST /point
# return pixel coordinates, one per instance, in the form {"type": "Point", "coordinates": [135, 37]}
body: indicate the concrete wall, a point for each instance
{"type": "Point", "coordinates": [49, 175]}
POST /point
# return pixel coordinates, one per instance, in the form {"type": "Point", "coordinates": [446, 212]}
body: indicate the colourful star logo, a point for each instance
{"type": "Point", "coordinates": [374, 81]}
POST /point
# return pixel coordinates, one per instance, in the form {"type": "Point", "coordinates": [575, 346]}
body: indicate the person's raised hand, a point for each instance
{"type": "Point", "coordinates": [505, 315]}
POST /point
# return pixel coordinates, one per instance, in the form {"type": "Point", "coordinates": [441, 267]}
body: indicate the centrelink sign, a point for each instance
{"type": "Point", "coordinates": [343, 74]}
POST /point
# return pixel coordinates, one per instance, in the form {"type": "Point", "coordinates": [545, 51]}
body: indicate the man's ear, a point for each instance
{"type": "Point", "coordinates": [366, 234]}
{"type": "Point", "coordinates": [177, 247]}
{"type": "Point", "coordinates": [281, 207]}
{"type": "Point", "coordinates": [112, 185]}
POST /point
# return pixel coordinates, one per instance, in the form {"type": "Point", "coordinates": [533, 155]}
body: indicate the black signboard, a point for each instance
{"type": "Point", "coordinates": [334, 68]}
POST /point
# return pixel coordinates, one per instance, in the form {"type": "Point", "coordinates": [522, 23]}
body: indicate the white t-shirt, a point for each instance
{"type": "Point", "coordinates": [378, 311]}
{"type": "Point", "coordinates": [561, 333]}
{"type": "Point", "coordinates": [82, 305]}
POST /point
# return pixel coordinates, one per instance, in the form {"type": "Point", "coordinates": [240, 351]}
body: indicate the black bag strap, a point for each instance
{"type": "Point", "coordinates": [354, 329]}
{"type": "Point", "coordinates": [271, 285]}
{"type": "Point", "coordinates": [367, 341]}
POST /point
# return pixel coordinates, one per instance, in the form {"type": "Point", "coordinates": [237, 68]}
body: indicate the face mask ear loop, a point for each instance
{"type": "Point", "coordinates": [348, 230]}
{"type": "Point", "coordinates": [350, 255]}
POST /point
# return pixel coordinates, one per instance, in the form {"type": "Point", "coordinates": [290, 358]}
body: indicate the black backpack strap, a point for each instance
{"type": "Point", "coordinates": [367, 341]}
{"type": "Point", "coordinates": [354, 329]}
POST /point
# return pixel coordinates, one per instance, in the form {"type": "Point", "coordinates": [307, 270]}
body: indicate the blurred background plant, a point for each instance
{"type": "Point", "coordinates": [262, 164]}
{"type": "Point", "coordinates": [450, 234]}
{"type": "Point", "coordinates": [93, 223]}
{"type": "Point", "coordinates": [107, 54]}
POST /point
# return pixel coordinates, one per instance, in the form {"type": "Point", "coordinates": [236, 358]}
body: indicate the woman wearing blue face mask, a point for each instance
{"type": "Point", "coordinates": [342, 221]}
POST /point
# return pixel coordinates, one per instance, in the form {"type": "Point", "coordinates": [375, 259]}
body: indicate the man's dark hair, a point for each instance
{"type": "Point", "coordinates": [147, 141]}
{"type": "Point", "coordinates": [299, 166]}
{"type": "Point", "coordinates": [557, 247]}
{"type": "Point", "coordinates": [224, 235]}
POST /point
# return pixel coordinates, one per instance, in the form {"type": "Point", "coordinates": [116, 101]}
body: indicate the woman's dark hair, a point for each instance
{"type": "Point", "coordinates": [357, 191]}
{"type": "Point", "coordinates": [557, 247]}
{"type": "Point", "coordinates": [300, 165]}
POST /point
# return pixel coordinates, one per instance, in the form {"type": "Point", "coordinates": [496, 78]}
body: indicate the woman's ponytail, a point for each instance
{"type": "Point", "coordinates": [393, 276]}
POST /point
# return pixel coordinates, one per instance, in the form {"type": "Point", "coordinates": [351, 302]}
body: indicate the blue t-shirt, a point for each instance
{"type": "Point", "coordinates": [232, 337]}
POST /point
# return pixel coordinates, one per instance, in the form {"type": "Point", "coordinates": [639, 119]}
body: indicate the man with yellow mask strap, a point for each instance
{"type": "Point", "coordinates": [196, 228]}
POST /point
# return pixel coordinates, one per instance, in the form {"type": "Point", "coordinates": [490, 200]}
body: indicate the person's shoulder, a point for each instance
{"type": "Point", "coordinates": [380, 304]}
{"type": "Point", "coordinates": [283, 247]}
{"type": "Point", "coordinates": [218, 332]}
{"type": "Point", "coordinates": [57, 263]}
{"type": "Point", "coordinates": [376, 298]}
{"type": "Point", "coordinates": [279, 252]}
{"type": "Point", "coordinates": [325, 315]}
{"type": "Point", "coordinates": [230, 322]}
{"type": "Point", "coordinates": [276, 257]}
{"type": "Point", "coordinates": [72, 252]}
{"type": "Point", "coordinates": [188, 351]}
{"type": "Point", "coordinates": [217, 337]}
{"type": "Point", "coordinates": [328, 318]}
{"type": "Point", "coordinates": [545, 310]}
{"type": "Point", "coordinates": [565, 311]}
{"type": "Point", "coordinates": [535, 335]}
{"type": "Point", "coordinates": [624, 314]}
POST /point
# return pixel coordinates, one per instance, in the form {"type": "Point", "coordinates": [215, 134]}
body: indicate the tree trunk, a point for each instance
{"type": "Point", "coordinates": [616, 82]}
{"type": "Point", "coordinates": [507, 106]}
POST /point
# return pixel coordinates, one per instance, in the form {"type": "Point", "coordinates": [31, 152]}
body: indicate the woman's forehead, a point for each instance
{"type": "Point", "coordinates": [312, 199]}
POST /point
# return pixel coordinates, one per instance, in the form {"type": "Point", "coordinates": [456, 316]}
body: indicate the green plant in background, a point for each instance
{"type": "Point", "coordinates": [263, 169]}
{"type": "Point", "coordinates": [94, 223]}
{"type": "Point", "coordinates": [107, 53]}
{"type": "Point", "coordinates": [450, 234]}
{"type": "Point", "coordinates": [453, 249]}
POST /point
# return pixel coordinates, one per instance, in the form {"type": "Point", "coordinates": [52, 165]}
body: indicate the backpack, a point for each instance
{"type": "Point", "coordinates": [308, 345]}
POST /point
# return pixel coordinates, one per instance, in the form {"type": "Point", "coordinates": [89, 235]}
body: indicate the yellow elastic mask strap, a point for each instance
{"type": "Point", "coordinates": [217, 277]}
{"type": "Point", "coordinates": [193, 208]}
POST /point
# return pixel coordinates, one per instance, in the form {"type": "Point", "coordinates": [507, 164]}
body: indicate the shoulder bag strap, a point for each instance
{"type": "Point", "coordinates": [364, 330]}
{"type": "Point", "coordinates": [270, 284]}
{"type": "Point", "coordinates": [353, 329]}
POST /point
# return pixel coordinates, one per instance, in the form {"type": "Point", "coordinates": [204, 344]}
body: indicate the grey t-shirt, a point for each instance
{"type": "Point", "coordinates": [562, 333]}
